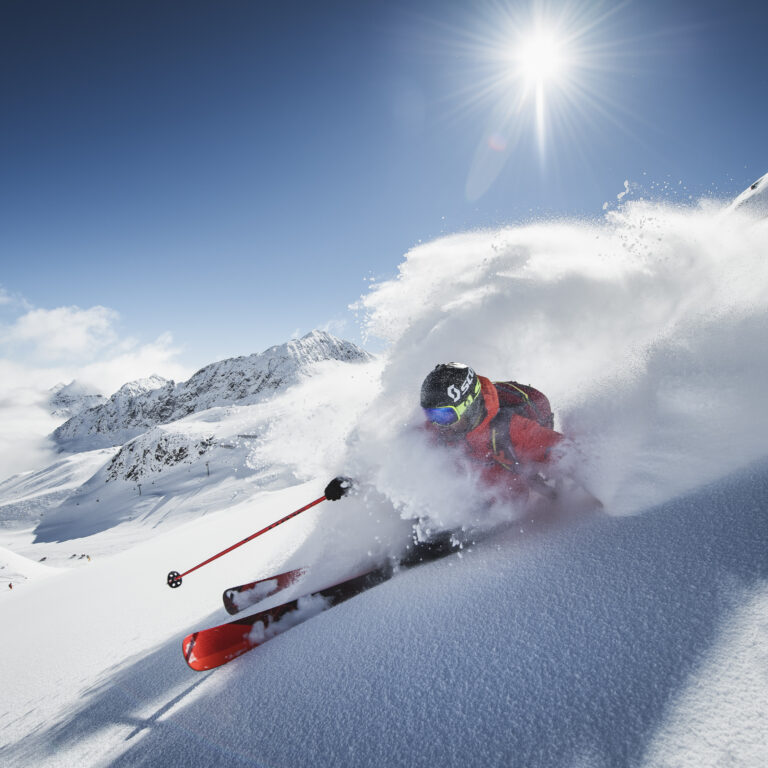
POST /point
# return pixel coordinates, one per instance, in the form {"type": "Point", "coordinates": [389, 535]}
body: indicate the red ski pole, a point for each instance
{"type": "Point", "coordinates": [174, 577]}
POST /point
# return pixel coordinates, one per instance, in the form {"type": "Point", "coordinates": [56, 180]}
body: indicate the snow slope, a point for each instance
{"type": "Point", "coordinates": [633, 639]}
{"type": "Point", "coordinates": [15, 569]}
{"type": "Point", "coordinates": [591, 647]}
{"type": "Point", "coordinates": [26, 497]}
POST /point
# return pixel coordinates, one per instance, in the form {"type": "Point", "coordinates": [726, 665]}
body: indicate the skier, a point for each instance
{"type": "Point", "coordinates": [507, 431]}
{"type": "Point", "coordinates": [506, 428]}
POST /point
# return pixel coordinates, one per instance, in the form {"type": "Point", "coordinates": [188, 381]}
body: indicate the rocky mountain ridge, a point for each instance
{"type": "Point", "coordinates": [154, 452]}
{"type": "Point", "coordinates": [139, 406]}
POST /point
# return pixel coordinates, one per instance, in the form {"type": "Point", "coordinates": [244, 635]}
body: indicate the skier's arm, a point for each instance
{"type": "Point", "coordinates": [541, 446]}
{"type": "Point", "coordinates": [534, 444]}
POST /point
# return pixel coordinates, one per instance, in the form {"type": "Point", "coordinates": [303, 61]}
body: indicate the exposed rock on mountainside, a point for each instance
{"type": "Point", "coordinates": [152, 453]}
{"type": "Point", "coordinates": [139, 406]}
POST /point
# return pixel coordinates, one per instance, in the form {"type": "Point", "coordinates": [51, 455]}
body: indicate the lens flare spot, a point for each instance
{"type": "Point", "coordinates": [497, 142]}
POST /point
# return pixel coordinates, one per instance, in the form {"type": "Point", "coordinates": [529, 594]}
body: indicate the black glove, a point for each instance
{"type": "Point", "coordinates": [337, 488]}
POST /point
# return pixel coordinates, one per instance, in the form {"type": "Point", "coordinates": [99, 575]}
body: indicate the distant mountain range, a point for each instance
{"type": "Point", "coordinates": [138, 406]}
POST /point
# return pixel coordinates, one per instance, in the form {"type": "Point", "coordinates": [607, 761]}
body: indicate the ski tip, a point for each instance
{"type": "Point", "coordinates": [188, 648]}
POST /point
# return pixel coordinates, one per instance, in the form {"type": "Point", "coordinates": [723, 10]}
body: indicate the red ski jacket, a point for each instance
{"type": "Point", "coordinates": [516, 438]}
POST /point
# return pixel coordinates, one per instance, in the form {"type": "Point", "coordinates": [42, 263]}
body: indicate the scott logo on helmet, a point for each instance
{"type": "Point", "coordinates": [456, 393]}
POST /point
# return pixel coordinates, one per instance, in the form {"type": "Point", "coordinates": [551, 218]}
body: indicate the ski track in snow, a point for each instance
{"type": "Point", "coordinates": [635, 639]}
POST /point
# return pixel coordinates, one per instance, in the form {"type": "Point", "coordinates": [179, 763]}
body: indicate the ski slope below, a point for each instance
{"type": "Point", "coordinates": [624, 641]}
{"type": "Point", "coordinates": [634, 639]}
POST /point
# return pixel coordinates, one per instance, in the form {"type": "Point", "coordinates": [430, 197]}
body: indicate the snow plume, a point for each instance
{"type": "Point", "coordinates": [306, 428]}
{"type": "Point", "coordinates": [308, 606]}
{"type": "Point", "coordinates": [646, 329]}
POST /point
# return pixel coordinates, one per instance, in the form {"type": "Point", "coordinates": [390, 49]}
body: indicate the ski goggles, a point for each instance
{"type": "Point", "coordinates": [447, 415]}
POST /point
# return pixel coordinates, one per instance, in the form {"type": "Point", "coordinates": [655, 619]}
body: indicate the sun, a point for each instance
{"type": "Point", "coordinates": [541, 57]}
{"type": "Point", "coordinates": [540, 61]}
{"type": "Point", "coordinates": [538, 68]}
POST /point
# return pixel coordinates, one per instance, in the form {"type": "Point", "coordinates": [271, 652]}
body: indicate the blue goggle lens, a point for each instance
{"type": "Point", "coordinates": [442, 416]}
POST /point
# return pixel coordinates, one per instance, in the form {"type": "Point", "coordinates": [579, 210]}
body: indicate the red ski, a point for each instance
{"type": "Point", "coordinates": [237, 599]}
{"type": "Point", "coordinates": [210, 648]}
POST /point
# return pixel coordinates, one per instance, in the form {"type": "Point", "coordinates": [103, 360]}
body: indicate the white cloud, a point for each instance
{"type": "Point", "coordinates": [12, 300]}
{"type": "Point", "coordinates": [24, 420]}
{"type": "Point", "coordinates": [43, 347]}
{"type": "Point", "coordinates": [62, 333]}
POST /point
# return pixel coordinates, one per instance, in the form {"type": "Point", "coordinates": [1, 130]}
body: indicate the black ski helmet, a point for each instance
{"type": "Point", "coordinates": [451, 386]}
{"type": "Point", "coordinates": [447, 384]}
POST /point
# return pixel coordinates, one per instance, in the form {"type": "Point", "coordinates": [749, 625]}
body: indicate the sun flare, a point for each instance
{"type": "Point", "coordinates": [540, 62]}
{"type": "Point", "coordinates": [541, 57]}
{"type": "Point", "coordinates": [539, 70]}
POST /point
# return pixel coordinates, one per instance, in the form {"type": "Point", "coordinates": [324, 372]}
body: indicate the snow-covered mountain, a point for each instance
{"type": "Point", "coordinates": [211, 459]}
{"type": "Point", "coordinates": [139, 406]}
{"type": "Point", "coordinates": [68, 400]}
{"type": "Point", "coordinates": [134, 408]}
{"type": "Point", "coordinates": [754, 199]}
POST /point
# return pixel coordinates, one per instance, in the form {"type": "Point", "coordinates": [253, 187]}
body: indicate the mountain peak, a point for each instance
{"type": "Point", "coordinates": [67, 400]}
{"type": "Point", "coordinates": [141, 386]}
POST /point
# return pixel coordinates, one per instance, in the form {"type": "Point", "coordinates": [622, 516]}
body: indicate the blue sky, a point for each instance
{"type": "Point", "coordinates": [232, 172]}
